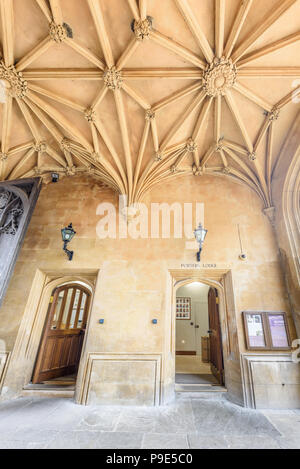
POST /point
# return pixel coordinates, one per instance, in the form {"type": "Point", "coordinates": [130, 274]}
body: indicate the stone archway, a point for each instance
{"type": "Point", "coordinates": [23, 356]}
{"type": "Point", "coordinates": [222, 281]}
{"type": "Point", "coordinates": [291, 209]}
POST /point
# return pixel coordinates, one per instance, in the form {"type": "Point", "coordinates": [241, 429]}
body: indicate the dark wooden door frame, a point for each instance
{"type": "Point", "coordinates": [216, 344]}
{"type": "Point", "coordinates": [59, 333]}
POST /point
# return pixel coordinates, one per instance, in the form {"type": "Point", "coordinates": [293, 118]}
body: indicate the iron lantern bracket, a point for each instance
{"type": "Point", "coordinates": [67, 251]}
{"type": "Point", "coordinates": [199, 253]}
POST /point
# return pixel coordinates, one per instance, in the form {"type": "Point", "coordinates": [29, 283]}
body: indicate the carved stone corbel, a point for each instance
{"type": "Point", "coordinates": [70, 170]}
{"type": "Point", "coordinates": [198, 171]}
{"type": "Point", "coordinates": [226, 170]}
{"type": "Point", "coordinates": [37, 171]}
{"type": "Point", "coordinates": [270, 212]}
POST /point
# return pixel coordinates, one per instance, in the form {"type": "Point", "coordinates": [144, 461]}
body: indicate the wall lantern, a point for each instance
{"type": "Point", "coordinates": [67, 235]}
{"type": "Point", "coordinates": [200, 234]}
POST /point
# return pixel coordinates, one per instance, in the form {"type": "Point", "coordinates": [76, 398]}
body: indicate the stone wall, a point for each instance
{"type": "Point", "coordinates": [133, 285]}
{"type": "Point", "coordinates": [271, 382]}
{"type": "Point", "coordinates": [286, 196]}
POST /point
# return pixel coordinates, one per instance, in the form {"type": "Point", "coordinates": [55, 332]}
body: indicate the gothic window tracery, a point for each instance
{"type": "Point", "coordinates": [11, 210]}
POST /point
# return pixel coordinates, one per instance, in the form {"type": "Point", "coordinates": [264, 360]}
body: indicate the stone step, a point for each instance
{"type": "Point", "coordinates": [49, 393]}
{"type": "Point", "coordinates": [198, 388]}
{"type": "Point", "coordinates": [214, 396]}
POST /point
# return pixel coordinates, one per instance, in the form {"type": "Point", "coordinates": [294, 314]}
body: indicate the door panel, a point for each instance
{"type": "Point", "coordinates": [58, 344]}
{"type": "Point", "coordinates": [62, 340]}
{"type": "Point", "coordinates": [49, 347]}
{"type": "Point", "coordinates": [65, 354]}
{"type": "Point", "coordinates": [74, 347]}
{"type": "Point", "coordinates": [216, 353]}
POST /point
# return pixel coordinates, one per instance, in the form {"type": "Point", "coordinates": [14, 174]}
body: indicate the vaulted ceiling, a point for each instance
{"type": "Point", "coordinates": [136, 92]}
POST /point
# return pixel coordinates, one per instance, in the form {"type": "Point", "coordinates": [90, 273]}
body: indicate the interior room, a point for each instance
{"type": "Point", "coordinates": [195, 369]}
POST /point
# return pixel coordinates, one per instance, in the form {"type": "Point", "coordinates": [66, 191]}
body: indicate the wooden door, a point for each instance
{"type": "Point", "coordinates": [216, 353]}
{"type": "Point", "coordinates": [62, 340]}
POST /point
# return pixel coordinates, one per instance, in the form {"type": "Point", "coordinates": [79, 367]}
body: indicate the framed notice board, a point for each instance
{"type": "Point", "coordinates": [266, 330]}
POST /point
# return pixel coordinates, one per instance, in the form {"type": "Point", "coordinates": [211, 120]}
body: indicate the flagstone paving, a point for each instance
{"type": "Point", "coordinates": [192, 421]}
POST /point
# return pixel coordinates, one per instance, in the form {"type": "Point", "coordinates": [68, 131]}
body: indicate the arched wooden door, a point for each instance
{"type": "Point", "coordinates": [63, 335]}
{"type": "Point", "coordinates": [216, 352]}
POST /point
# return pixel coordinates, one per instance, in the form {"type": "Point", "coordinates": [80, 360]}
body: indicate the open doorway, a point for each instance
{"type": "Point", "coordinates": [62, 339]}
{"type": "Point", "coordinates": [199, 355]}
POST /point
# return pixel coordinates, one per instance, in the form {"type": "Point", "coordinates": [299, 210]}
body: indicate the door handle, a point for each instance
{"type": "Point", "coordinates": [196, 327]}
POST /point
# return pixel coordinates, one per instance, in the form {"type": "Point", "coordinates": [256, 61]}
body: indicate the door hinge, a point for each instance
{"type": "Point", "coordinates": [217, 300]}
{"type": "Point", "coordinates": [51, 299]}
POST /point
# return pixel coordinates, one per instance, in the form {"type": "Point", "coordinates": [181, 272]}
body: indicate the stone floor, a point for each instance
{"type": "Point", "coordinates": [191, 364]}
{"type": "Point", "coordinates": [194, 420]}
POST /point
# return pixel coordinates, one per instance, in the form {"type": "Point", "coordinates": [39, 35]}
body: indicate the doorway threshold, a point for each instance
{"type": "Point", "coordinates": [199, 388]}
{"type": "Point", "coordinates": [49, 391]}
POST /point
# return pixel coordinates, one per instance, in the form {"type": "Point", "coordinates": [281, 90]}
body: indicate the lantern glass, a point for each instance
{"type": "Point", "coordinates": [67, 233]}
{"type": "Point", "coordinates": [200, 233]}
